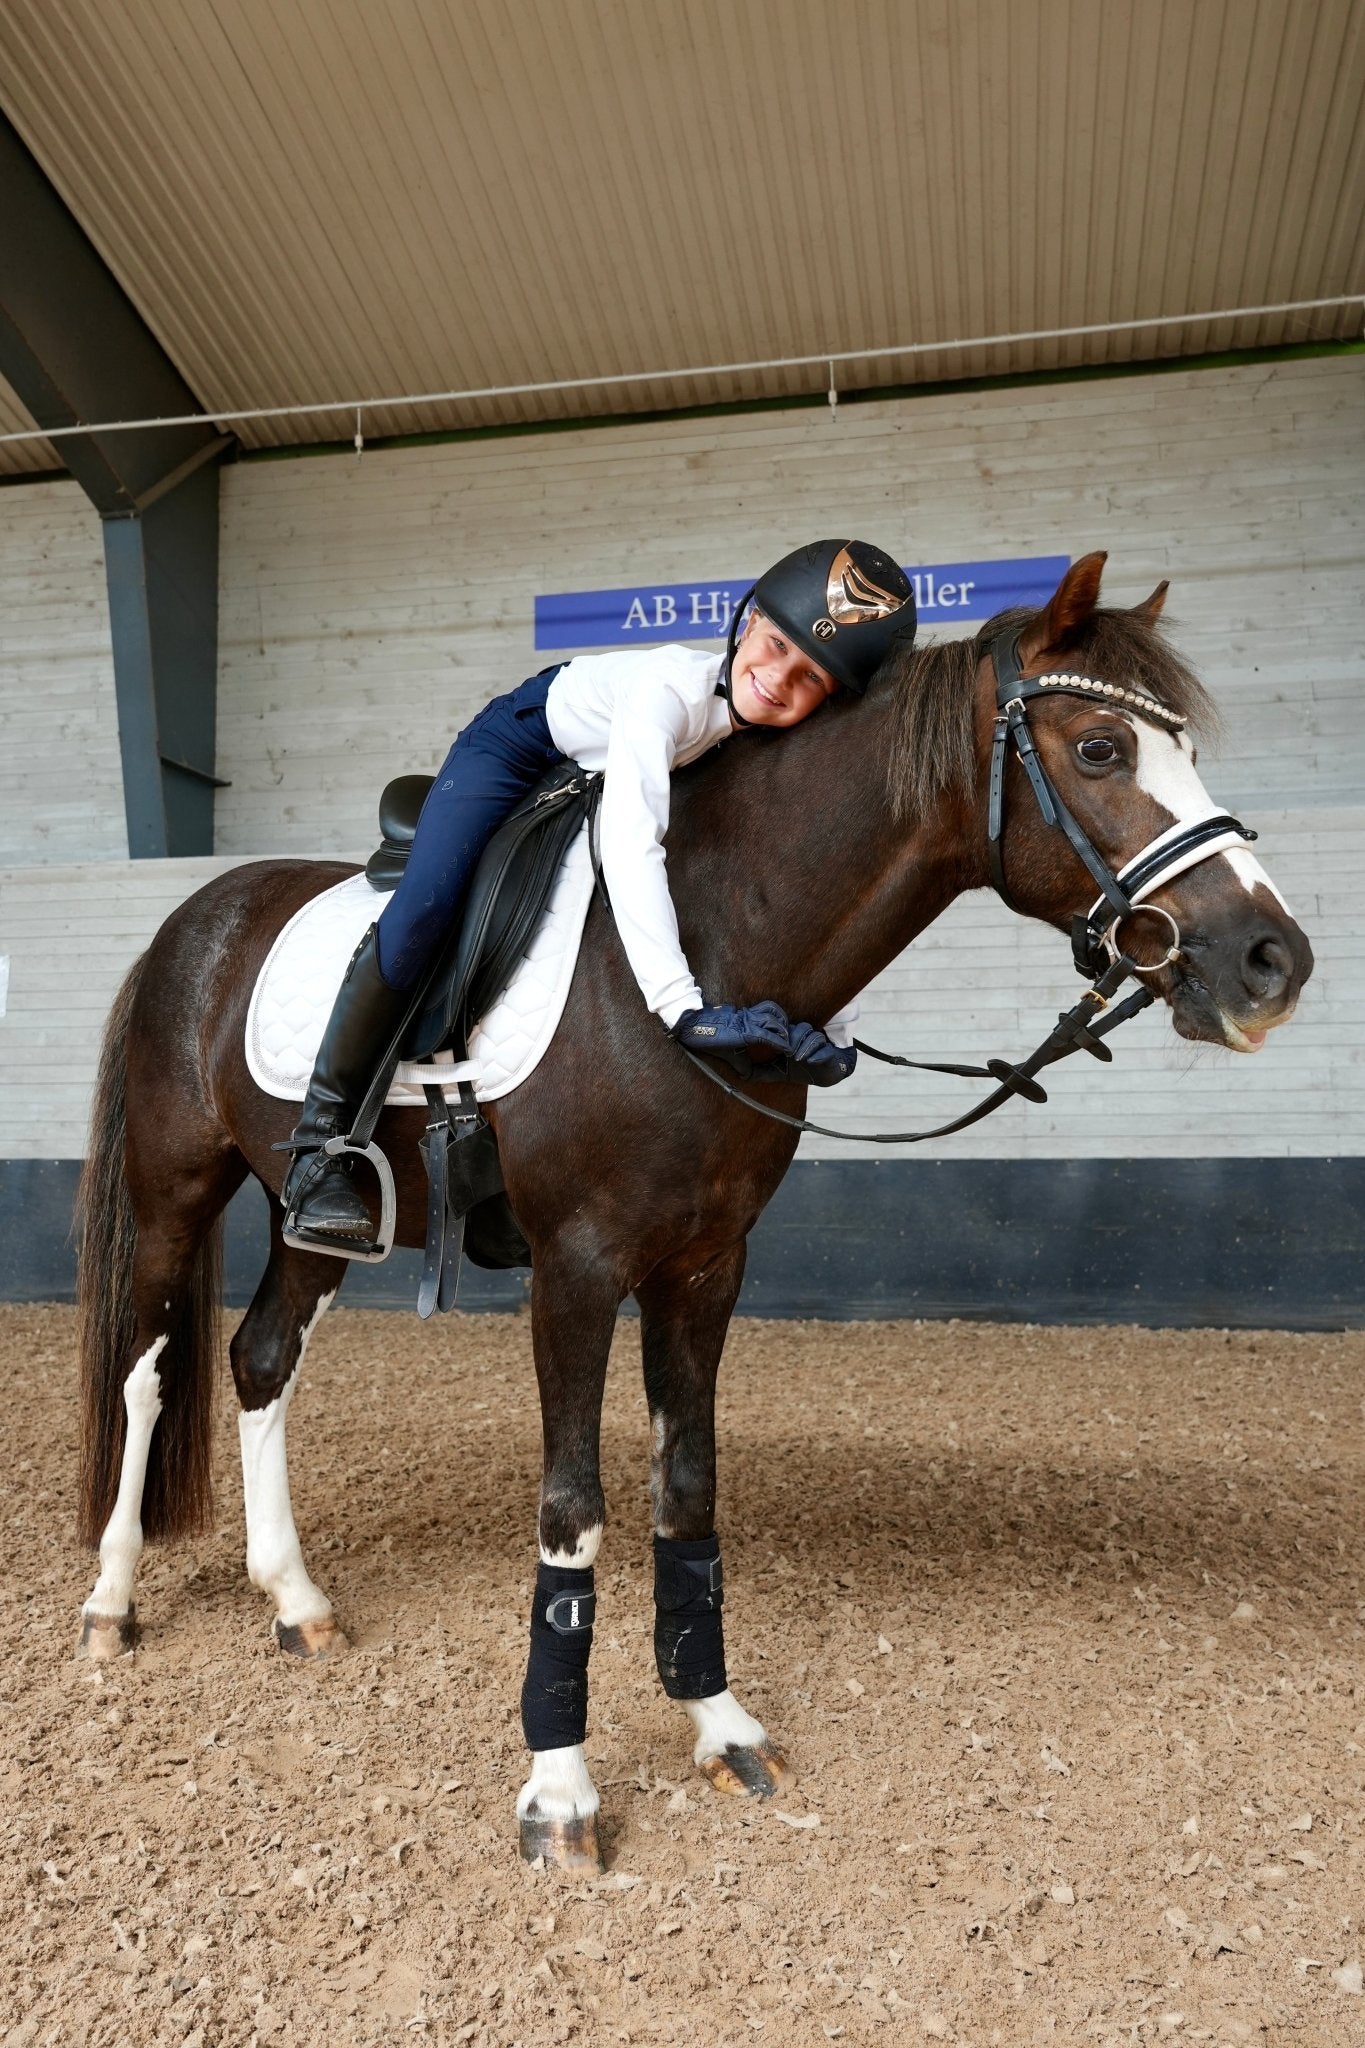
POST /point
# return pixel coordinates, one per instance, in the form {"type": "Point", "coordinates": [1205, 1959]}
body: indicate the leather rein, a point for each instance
{"type": "Point", "coordinates": [1094, 934]}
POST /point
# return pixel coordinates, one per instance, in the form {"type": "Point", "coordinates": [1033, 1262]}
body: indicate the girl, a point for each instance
{"type": "Point", "coordinates": [823, 618]}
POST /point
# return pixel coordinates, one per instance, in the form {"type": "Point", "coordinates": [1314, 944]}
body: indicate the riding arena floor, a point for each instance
{"type": "Point", "coordinates": [1061, 1629]}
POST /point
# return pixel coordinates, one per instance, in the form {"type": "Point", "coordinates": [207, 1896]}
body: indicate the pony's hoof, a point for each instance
{"type": "Point", "coordinates": [310, 1639]}
{"type": "Point", "coordinates": [562, 1844]}
{"type": "Point", "coordinates": [756, 1773]}
{"type": "Point", "coordinates": [106, 1636]}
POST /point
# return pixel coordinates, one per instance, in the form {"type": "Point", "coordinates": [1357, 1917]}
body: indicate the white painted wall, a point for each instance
{"type": "Point", "coordinates": [61, 784]}
{"type": "Point", "coordinates": [368, 608]}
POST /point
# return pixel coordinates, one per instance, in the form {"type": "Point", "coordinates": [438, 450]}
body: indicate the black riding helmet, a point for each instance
{"type": "Point", "coordinates": [844, 602]}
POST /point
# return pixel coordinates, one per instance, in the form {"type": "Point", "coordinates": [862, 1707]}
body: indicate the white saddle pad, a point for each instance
{"type": "Point", "coordinates": [297, 986]}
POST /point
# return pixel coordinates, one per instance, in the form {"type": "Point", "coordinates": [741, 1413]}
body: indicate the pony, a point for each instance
{"type": "Point", "coordinates": [800, 868]}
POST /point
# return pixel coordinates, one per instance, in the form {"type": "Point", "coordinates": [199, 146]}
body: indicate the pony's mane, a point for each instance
{"type": "Point", "coordinates": [933, 743]}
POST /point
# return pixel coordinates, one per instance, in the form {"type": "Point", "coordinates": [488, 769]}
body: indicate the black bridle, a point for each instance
{"type": "Point", "coordinates": [1095, 945]}
{"type": "Point", "coordinates": [1092, 934]}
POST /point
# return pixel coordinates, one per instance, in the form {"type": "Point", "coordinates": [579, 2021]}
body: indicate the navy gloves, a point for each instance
{"type": "Point", "coordinates": [801, 1052]}
{"type": "Point", "coordinates": [821, 1061]}
{"type": "Point", "coordinates": [725, 1028]}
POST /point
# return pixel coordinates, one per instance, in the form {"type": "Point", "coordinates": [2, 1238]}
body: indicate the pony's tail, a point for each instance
{"type": "Point", "coordinates": [178, 1493]}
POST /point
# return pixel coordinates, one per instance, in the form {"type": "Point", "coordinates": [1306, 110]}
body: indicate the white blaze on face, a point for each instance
{"type": "Point", "coordinates": [1166, 772]}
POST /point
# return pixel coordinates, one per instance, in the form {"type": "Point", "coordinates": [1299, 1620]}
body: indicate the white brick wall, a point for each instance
{"type": "Point", "coordinates": [368, 608]}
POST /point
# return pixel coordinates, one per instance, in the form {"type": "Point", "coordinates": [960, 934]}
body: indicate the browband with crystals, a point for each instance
{"type": "Point", "coordinates": [1147, 706]}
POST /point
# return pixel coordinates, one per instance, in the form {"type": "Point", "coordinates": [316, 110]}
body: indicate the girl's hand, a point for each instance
{"type": "Point", "coordinates": [726, 1028]}
{"type": "Point", "coordinates": [821, 1061]}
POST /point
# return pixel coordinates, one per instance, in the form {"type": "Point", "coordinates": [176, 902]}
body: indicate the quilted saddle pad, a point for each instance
{"type": "Point", "coordinates": [297, 985]}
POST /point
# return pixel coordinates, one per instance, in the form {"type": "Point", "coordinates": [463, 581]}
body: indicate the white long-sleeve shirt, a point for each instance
{"type": "Point", "coordinates": [639, 715]}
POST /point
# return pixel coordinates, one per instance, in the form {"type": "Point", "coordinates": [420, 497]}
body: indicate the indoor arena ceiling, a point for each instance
{"type": "Point", "coordinates": [339, 199]}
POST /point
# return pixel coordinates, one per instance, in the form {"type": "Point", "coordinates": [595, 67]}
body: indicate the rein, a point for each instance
{"type": "Point", "coordinates": [1094, 934]}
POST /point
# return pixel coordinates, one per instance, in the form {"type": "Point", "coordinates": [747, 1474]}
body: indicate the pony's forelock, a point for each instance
{"type": "Point", "coordinates": [933, 743]}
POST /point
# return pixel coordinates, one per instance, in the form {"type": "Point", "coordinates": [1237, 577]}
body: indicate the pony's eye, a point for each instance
{"type": "Point", "coordinates": [1098, 749]}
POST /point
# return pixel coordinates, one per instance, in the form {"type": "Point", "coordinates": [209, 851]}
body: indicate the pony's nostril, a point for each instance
{"type": "Point", "coordinates": [1267, 967]}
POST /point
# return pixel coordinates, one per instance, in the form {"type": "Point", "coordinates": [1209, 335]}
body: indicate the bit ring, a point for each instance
{"type": "Point", "coordinates": [1122, 959]}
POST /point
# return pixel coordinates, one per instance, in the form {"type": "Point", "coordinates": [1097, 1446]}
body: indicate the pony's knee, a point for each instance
{"type": "Point", "coordinates": [262, 1369]}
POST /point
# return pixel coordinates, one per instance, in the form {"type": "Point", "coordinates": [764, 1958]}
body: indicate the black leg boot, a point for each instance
{"type": "Point", "coordinates": [328, 1208]}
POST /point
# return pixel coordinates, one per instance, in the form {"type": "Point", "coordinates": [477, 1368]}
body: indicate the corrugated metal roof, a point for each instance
{"type": "Point", "coordinates": [333, 199]}
{"type": "Point", "coordinates": [28, 456]}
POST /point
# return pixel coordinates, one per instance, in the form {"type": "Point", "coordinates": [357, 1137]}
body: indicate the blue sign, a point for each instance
{"type": "Point", "coordinates": [945, 592]}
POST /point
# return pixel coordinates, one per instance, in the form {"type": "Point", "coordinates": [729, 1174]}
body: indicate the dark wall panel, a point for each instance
{"type": "Point", "coordinates": [1241, 1242]}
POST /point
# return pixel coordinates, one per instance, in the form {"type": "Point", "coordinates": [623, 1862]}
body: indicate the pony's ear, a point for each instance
{"type": "Point", "coordinates": [1151, 608]}
{"type": "Point", "coordinates": [1067, 610]}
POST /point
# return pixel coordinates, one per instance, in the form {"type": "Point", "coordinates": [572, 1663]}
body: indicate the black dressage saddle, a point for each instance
{"type": "Point", "coordinates": [506, 900]}
{"type": "Point", "coordinates": [467, 1207]}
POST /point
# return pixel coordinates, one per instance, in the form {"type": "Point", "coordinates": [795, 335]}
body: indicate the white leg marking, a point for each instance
{"type": "Point", "coordinates": [559, 1787]}
{"type": "Point", "coordinates": [721, 1723]}
{"type": "Point", "coordinates": [579, 1558]}
{"type": "Point", "coordinates": [121, 1543]}
{"type": "Point", "coordinates": [1168, 775]}
{"type": "Point", "coordinates": [274, 1559]}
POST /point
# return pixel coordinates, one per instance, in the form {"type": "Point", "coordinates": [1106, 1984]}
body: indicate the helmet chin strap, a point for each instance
{"type": "Point", "coordinates": [731, 645]}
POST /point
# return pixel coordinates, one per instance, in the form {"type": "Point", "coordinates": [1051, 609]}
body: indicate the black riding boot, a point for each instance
{"type": "Point", "coordinates": [366, 1014]}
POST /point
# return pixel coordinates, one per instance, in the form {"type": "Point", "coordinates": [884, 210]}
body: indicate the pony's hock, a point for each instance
{"type": "Point", "coordinates": [625, 1171]}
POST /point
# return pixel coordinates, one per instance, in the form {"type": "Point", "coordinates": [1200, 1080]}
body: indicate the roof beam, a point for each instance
{"type": "Point", "coordinates": [75, 348]}
{"type": "Point", "coordinates": [162, 572]}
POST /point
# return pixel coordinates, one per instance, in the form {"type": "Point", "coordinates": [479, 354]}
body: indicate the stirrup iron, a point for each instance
{"type": "Point", "coordinates": [349, 1247]}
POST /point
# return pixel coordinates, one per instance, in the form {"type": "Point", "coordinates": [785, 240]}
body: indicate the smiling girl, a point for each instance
{"type": "Point", "coordinates": [823, 618]}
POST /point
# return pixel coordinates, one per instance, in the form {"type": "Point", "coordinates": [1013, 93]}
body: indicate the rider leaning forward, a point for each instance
{"type": "Point", "coordinates": [823, 618]}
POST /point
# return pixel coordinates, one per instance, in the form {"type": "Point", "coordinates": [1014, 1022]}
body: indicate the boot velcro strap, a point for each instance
{"type": "Point", "coordinates": [570, 1613]}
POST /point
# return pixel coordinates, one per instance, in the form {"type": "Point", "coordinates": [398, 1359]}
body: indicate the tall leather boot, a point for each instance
{"type": "Point", "coordinates": [366, 1014]}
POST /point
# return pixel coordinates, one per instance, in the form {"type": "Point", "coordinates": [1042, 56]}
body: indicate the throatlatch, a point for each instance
{"type": "Point", "coordinates": [554, 1696]}
{"type": "Point", "coordinates": [689, 1637]}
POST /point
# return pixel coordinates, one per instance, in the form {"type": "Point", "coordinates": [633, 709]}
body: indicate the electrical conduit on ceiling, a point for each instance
{"type": "Point", "coordinates": [826, 358]}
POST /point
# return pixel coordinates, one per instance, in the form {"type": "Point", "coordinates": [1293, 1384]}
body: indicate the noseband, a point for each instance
{"type": "Point", "coordinates": [1094, 934]}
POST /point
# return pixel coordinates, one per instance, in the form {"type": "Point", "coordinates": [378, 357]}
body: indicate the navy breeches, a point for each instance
{"type": "Point", "coordinates": [499, 756]}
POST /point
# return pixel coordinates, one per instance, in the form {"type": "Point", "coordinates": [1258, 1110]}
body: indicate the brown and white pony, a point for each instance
{"type": "Point", "coordinates": [800, 867]}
